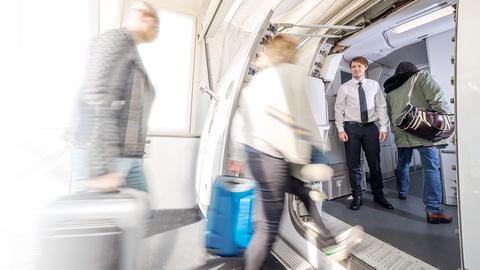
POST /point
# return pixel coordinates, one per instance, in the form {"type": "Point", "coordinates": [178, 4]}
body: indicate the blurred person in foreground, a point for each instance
{"type": "Point", "coordinates": [426, 94]}
{"type": "Point", "coordinates": [108, 133]}
{"type": "Point", "coordinates": [275, 124]}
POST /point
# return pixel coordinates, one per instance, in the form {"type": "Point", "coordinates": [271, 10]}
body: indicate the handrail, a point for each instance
{"type": "Point", "coordinates": [342, 27]}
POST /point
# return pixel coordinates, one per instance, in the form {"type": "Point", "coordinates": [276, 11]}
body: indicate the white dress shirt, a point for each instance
{"type": "Point", "coordinates": [347, 105]}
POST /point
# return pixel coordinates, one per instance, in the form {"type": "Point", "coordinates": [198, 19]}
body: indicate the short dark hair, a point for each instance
{"type": "Point", "coordinates": [359, 59]}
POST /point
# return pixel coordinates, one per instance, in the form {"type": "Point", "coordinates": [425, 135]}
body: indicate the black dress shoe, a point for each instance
{"type": "Point", "coordinates": [402, 197]}
{"type": "Point", "coordinates": [355, 204]}
{"type": "Point", "coordinates": [383, 202]}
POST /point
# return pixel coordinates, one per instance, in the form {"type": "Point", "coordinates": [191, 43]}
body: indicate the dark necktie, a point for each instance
{"type": "Point", "coordinates": [363, 103]}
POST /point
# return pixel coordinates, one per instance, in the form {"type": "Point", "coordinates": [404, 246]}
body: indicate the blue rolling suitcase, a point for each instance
{"type": "Point", "coordinates": [230, 221]}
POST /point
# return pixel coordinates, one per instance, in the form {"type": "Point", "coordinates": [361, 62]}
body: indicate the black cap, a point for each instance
{"type": "Point", "coordinates": [406, 67]}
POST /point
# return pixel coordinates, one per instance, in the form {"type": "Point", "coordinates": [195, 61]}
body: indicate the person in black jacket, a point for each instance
{"type": "Point", "coordinates": [427, 94]}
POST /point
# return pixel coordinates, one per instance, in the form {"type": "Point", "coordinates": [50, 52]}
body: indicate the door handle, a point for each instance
{"type": "Point", "coordinates": [207, 90]}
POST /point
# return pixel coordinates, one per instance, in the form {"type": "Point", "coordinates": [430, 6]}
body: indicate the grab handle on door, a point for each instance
{"type": "Point", "coordinates": [207, 90]}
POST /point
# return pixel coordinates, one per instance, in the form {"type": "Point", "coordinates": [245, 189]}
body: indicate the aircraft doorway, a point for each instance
{"type": "Point", "coordinates": [430, 47]}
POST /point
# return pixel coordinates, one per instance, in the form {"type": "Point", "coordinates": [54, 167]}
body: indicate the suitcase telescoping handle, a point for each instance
{"type": "Point", "coordinates": [98, 191]}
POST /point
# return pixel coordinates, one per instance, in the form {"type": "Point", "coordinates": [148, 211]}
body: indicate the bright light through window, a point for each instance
{"type": "Point", "coordinates": [168, 61]}
{"type": "Point", "coordinates": [43, 52]}
{"type": "Point", "coordinates": [47, 69]}
{"type": "Point", "coordinates": [44, 70]}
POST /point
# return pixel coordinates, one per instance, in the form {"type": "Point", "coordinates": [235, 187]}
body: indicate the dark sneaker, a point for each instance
{"type": "Point", "coordinates": [383, 202]}
{"type": "Point", "coordinates": [402, 197]}
{"type": "Point", "coordinates": [438, 218]}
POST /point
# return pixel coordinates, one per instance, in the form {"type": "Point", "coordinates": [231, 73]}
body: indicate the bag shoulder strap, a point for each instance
{"type": "Point", "coordinates": [412, 84]}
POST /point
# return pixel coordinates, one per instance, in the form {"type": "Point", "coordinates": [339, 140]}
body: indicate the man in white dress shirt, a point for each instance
{"type": "Point", "coordinates": [360, 103]}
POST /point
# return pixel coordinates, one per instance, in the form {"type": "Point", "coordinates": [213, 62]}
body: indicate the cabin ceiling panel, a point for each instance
{"type": "Point", "coordinates": [371, 43]}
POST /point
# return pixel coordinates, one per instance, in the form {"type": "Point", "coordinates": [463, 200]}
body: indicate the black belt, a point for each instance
{"type": "Point", "coordinates": [359, 124]}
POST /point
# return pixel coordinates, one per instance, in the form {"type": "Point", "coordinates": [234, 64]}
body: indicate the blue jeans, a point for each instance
{"type": "Point", "coordinates": [432, 186]}
{"type": "Point", "coordinates": [132, 168]}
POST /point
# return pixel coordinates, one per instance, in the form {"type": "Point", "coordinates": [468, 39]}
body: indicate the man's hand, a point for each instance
{"type": "Point", "coordinates": [108, 182]}
{"type": "Point", "coordinates": [382, 136]}
{"type": "Point", "coordinates": [236, 167]}
{"type": "Point", "coordinates": [342, 135]}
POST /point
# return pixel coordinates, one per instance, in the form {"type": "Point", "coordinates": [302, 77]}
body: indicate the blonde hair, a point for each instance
{"type": "Point", "coordinates": [280, 49]}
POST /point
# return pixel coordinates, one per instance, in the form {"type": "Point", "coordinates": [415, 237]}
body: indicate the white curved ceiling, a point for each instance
{"type": "Point", "coordinates": [377, 40]}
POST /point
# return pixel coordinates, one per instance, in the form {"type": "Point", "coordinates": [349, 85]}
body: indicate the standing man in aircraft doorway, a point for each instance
{"type": "Point", "coordinates": [108, 133]}
{"type": "Point", "coordinates": [360, 102]}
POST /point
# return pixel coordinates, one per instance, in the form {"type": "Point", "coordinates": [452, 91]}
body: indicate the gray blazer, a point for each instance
{"type": "Point", "coordinates": [114, 103]}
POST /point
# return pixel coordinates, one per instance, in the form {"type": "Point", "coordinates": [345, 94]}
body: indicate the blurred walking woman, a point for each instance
{"type": "Point", "coordinates": [275, 123]}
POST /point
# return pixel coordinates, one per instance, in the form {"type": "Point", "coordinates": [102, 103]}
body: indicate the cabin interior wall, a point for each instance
{"type": "Point", "coordinates": [440, 49]}
{"type": "Point", "coordinates": [171, 180]}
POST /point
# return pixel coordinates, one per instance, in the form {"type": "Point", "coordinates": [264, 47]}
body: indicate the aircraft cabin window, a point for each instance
{"type": "Point", "coordinates": [45, 61]}
{"type": "Point", "coordinates": [169, 63]}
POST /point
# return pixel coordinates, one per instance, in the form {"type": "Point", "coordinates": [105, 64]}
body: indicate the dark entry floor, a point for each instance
{"type": "Point", "coordinates": [405, 227]}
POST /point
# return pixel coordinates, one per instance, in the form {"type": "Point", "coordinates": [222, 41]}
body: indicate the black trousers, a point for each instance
{"type": "Point", "coordinates": [365, 137]}
{"type": "Point", "coordinates": [273, 181]}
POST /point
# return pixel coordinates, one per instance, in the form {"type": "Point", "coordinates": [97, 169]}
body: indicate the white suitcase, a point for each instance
{"type": "Point", "coordinates": [95, 231]}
